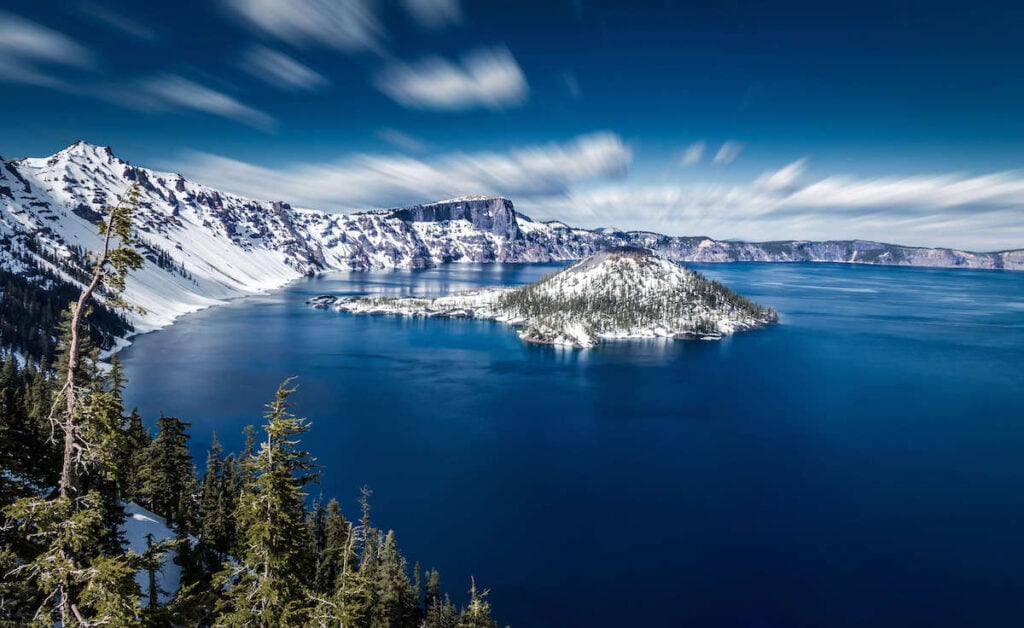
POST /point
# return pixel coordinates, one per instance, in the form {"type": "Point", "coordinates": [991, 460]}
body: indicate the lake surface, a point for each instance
{"type": "Point", "coordinates": [860, 464]}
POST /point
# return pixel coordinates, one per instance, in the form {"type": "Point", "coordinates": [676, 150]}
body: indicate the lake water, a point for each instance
{"type": "Point", "coordinates": [860, 464]}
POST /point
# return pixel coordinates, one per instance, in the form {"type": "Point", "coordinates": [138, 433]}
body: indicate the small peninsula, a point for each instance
{"type": "Point", "coordinates": [620, 293]}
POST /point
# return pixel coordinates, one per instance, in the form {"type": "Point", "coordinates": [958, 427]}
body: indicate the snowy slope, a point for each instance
{"type": "Point", "coordinates": [626, 292]}
{"type": "Point", "coordinates": [219, 246]}
{"type": "Point", "coordinates": [141, 527]}
{"type": "Point", "coordinates": [207, 246]}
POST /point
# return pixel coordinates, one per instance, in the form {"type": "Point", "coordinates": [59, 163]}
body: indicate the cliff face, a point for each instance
{"type": "Point", "coordinates": [492, 215]}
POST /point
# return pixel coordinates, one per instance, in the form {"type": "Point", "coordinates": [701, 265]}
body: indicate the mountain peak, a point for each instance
{"type": "Point", "coordinates": [81, 148]}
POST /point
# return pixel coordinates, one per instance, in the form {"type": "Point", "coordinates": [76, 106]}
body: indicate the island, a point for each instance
{"type": "Point", "coordinates": [620, 293]}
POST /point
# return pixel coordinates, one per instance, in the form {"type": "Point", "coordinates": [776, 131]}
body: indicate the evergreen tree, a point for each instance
{"type": "Point", "coordinates": [217, 509]}
{"type": "Point", "coordinates": [167, 483]}
{"type": "Point", "coordinates": [336, 555]}
{"type": "Point", "coordinates": [478, 613]}
{"type": "Point", "coordinates": [271, 583]}
{"type": "Point", "coordinates": [438, 610]}
{"type": "Point", "coordinates": [395, 599]}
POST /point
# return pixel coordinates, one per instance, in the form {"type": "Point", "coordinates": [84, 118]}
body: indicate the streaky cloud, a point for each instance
{"type": "Point", "coordinates": [727, 153]}
{"type": "Point", "coordinates": [174, 92]}
{"type": "Point", "coordinates": [375, 181]}
{"type": "Point", "coordinates": [280, 70]}
{"type": "Point", "coordinates": [402, 141]}
{"type": "Point", "coordinates": [975, 212]}
{"type": "Point", "coordinates": [693, 153]}
{"type": "Point", "coordinates": [485, 78]}
{"type": "Point", "coordinates": [348, 25]}
{"type": "Point", "coordinates": [118, 21]}
{"type": "Point", "coordinates": [29, 51]}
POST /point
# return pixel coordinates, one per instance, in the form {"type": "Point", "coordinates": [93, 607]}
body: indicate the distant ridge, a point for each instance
{"type": "Point", "coordinates": [205, 246]}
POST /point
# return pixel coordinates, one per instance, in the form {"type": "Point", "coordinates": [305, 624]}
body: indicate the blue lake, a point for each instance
{"type": "Point", "coordinates": [860, 464]}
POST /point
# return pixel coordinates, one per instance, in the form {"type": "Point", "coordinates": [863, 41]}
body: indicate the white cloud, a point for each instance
{"type": "Point", "coordinates": [367, 181]}
{"type": "Point", "coordinates": [348, 25]}
{"type": "Point", "coordinates": [280, 70]}
{"type": "Point", "coordinates": [26, 49]}
{"type": "Point", "coordinates": [117, 21]}
{"type": "Point", "coordinates": [783, 178]}
{"type": "Point", "coordinates": [434, 14]}
{"type": "Point", "coordinates": [174, 92]}
{"type": "Point", "coordinates": [728, 153]}
{"type": "Point", "coordinates": [693, 153]}
{"type": "Point", "coordinates": [980, 212]}
{"type": "Point", "coordinates": [402, 141]}
{"type": "Point", "coordinates": [486, 78]}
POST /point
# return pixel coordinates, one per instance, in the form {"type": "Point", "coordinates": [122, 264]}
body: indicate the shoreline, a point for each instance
{"type": "Point", "coordinates": [126, 341]}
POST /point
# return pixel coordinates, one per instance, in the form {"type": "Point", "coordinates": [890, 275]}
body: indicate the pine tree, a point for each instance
{"type": "Point", "coordinates": [217, 509]}
{"type": "Point", "coordinates": [271, 583]}
{"type": "Point", "coordinates": [478, 613]}
{"type": "Point", "coordinates": [336, 555]}
{"type": "Point", "coordinates": [438, 611]}
{"type": "Point", "coordinates": [167, 483]}
{"type": "Point", "coordinates": [396, 602]}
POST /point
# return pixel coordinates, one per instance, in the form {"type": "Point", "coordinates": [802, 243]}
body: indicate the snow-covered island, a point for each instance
{"type": "Point", "coordinates": [624, 292]}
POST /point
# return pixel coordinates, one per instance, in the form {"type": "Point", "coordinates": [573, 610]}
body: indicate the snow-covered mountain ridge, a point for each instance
{"type": "Point", "coordinates": [206, 246]}
{"type": "Point", "coordinates": [624, 292]}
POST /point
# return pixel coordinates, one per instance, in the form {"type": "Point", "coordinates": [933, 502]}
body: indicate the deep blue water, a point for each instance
{"type": "Point", "coordinates": [860, 464]}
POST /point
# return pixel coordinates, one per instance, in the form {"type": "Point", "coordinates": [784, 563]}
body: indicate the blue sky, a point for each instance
{"type": "Point", "coordinates": [896, 121]}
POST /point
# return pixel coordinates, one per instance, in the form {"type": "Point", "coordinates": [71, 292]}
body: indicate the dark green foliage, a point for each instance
{"type": "Point", "coordinates": [269, 585]}
{"type": "Point", "coordinates": [166, 479]}
{"type": "Point", "coordinates": [27, 454]}
{"type": "Point", "coordinates": [334, 555]}
{"type": "Point", "coordinates": [31, 307]}
{"type": "Point", "coordinates": [217, 508]}
{"type": "Point", "coordinates": [438, 610]}
{"type": "Point", "coordinates": [130, 455]}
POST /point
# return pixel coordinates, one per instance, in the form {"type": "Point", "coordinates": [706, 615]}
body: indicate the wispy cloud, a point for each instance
{"type": "Point", "coordinates": [693, 154]}
{"type": "Point", "coordinates": [976, 212]}
{"type": "Point", "coordinates": [728, 153]}
{"type": "Point", "coordinates": [487, 78]}
{"type": "Point", "coordinates": [28, 52]}
{"type": "Point", "coordinates": [117, 21]}
{"type": "Point", "coordinates": [171, 91]}
{"type": "Point", "coordinates": [434, 14]}
{"type": "Point", "coordinates": [347, 25]}
{"type": "Point", "coordinates": [784, 178]}
{"type": "Point", "coordinates": [366, 181]}
{"type": "Point", "coordinates": [280, 70]}
{"type": "Point", "coordinates": [402, 141]}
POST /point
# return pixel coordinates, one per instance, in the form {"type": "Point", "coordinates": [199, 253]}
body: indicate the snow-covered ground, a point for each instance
{"type": "Point", "coordinates": [142, 528]}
